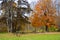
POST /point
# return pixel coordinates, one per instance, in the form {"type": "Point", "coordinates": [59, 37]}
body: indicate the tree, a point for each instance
{"type": "Point", "coordinates": [44, 14]}
{"type": "Point", "coordinates": [12, 13]}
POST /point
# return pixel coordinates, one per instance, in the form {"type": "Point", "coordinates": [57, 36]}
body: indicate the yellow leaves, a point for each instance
{"type": "Point", "coordinates": [37, 8]}
{"type": "Point", "coordinates": [36, 20]}
{"type": "Point", "coordinates": [47, 0]}
{"type": "Point", "coordinates": [36, 24]}
{"type": "Point", "coordinates": [48, 24]}
{"type": "Point", "coordinates": [42, 8]}
{"type": "Point", "coordinates": [14, 4]}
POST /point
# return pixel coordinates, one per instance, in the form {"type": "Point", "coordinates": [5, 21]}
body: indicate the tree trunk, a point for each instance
{"type": "Point", "coordinates": [47, 28]}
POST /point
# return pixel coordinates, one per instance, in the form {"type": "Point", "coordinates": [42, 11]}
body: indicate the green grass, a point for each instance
{"type": "Point", "coordinates": [6, 36]}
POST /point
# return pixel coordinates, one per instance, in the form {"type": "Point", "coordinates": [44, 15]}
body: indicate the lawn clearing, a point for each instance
{"type": "Point", "coordinates": [32, 36]}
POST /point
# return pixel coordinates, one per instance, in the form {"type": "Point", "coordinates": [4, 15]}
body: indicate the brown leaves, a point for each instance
{"type": "Point", "coordinates": [44, 14]}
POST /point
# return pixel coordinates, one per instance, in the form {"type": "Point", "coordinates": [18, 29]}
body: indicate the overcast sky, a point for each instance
{"type": "Point", "coordinates": [27, 0]}
{"type": "Point", "coordinates": [31, 1]}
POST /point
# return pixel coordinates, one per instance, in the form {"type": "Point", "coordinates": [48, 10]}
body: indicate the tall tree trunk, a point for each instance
{"type": "Point", "coordinates": [14, 26]}
{"type": "Point", "coordinates": [47, 28]}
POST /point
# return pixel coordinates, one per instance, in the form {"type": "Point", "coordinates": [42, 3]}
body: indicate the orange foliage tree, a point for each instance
{"type": "Point", "coordinates": [44, 14]}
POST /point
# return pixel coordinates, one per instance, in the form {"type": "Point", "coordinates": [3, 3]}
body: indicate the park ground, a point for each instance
{"type": "Point", "coordinates": [31, 36]}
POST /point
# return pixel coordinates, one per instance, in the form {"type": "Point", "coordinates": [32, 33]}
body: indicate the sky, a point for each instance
{"type": "Point", "coordinates": [27, 0]}
{"type": "Point", "coordinates": [31, 1]}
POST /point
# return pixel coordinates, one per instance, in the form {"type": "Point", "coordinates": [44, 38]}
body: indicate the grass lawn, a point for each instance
{"type": "Point", "coordinates": [32, 36]}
